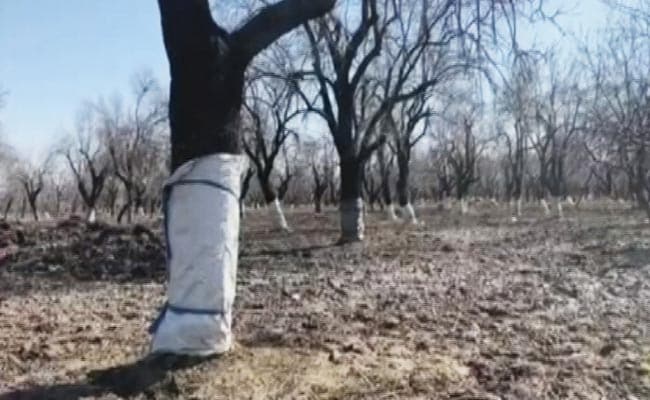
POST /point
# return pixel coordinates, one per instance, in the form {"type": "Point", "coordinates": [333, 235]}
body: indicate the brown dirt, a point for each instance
{"type": "Point", "coordinates": [460, 307]}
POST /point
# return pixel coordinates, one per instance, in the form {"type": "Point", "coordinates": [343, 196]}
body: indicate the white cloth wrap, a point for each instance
{"type": "Point", "coordinates": [202, 228]}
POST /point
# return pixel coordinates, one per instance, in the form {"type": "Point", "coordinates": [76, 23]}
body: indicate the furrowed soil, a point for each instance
{"type": "Point", "coordinates": [458, 307]}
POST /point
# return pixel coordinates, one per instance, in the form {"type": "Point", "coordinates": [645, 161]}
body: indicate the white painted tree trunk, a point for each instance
{"type": "Point", "coordinates": [463, 206]}
{"type": "Point", "coordinates": [92, 216]}
{"type": "Point", "coordinates": [201, 208]}
{"type": "Point", "coordinates": [517, 209]}
{"type": "Point", "coordinates": [409, 213]}
{"type": "Point", "coordinates": [352, 228]}
{"type": "Point", "coordinates": [282, 221]}
{"type": "Point", "coordinates": [390, 212]}
{"type": "Point", "coordinates": [558, 205]}
{"type": "Point", "coordinates": [545, 207]}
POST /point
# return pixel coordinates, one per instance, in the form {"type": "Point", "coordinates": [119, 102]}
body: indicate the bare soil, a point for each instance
{"type": "Point", "coordinates": [459, 307]}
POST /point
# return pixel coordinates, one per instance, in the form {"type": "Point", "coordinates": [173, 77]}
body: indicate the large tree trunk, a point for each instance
{"type": "Point", "coordinates": [201, 201]}
{"type": "Point", "coordinates": [351, 206]}
{"type": "Point", "coordinates": [205, 98]}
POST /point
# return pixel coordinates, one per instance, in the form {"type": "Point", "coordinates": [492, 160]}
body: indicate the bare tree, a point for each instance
{"type": "Point", "coordinates": [321, 161]}
{"type": "Point", "coordinates": [516, 102]}
{"type": "Point", "coordinates": [88, 161]}
{"type": "Point", "coordinates": [132, 138]}
{"type": "Point", "coordinates": [620, 102]}
{"type": "Point", "coordinates": [406, 130]}
{"type": "Point", "coordinates": [32, 180]}
{"type": "Point", "coordinates": [557, 112]}
{"type": "Point", "coordinates": [462, 150]}
{"type": "Point", "coordinates": [346, 69]}
{"type": "Point", "coordinates": [271, 109]}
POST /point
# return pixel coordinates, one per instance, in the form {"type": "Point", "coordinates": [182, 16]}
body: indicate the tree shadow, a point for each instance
{"type": "Point", "coordinates": [152, 373]}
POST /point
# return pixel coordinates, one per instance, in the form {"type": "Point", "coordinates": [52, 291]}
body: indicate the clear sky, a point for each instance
{"type": "Point", "coordinates": [54, 54]}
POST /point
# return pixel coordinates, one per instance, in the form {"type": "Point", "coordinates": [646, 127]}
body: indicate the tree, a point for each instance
{"type": "Point", "coordinates": [88, 161]}
{"type": "Point", "coordinates": [133, 140]}
{"type": "Point", "coordinates": [516, 101]}
{"type": "Point", "coordinates": [355, 92]}
{"type": "Point", "coordinates": [271, 109]}
{"type": "Point", "coordinates": [344, 97]}
{"type": "Point", "coordinates": [31, 179]}
{"type": "Point", "coordinates": [557, 112]}
{"type": "Point", "coordinates": [207, 66]}
{"type": "Point", "coordinates": [463, 153]}
{"type": "Point", "coordinates": [621, 129]}
{"type": "Point", "coordinates": [321, 161]}
{"type": "Point", "coordinates": [406, 130]}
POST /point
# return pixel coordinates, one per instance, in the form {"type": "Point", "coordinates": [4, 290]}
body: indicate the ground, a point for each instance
{"type": "Point", "coordinates": [458, 307]}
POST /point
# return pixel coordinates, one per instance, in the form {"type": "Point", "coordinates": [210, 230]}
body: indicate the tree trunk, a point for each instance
{"type": "Point", "coordinates": [32, 205]}
{"type": "Point", "coordinates": [10, 202]}
{"type": "Point", "coordinates": [387, 198]}
{"type": "Point", "coordinates": [23, 208]}
{"type": "Point", "coordinates": [319, 191]}
{"type": "Point", "coordinates": [271, 199]}
{"type": "Point", "coordinates": [282, 221]}
{"type": "Point", "coordinates": [351, 207]}
{"type": "Point", "coordinates": [91, 216]}
{"type": "Point", "coordinates": [245, 186]}
{"type": "Point", "coordinates": [57, 208]}
{"type": "Point", "coordinates": [201, 203]}
{"type": "Point", "coordinates": [75, 204]}
{"type": "Point", "coordinates": [403, 190]}
{"type": "Point", "coordinates": [123, 211]}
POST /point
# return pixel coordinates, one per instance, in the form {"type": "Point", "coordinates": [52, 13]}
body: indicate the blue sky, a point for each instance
{"type": "Point", "coordinates": [54, 54]}
{"type": "Point", "coordinates": [57, 53]}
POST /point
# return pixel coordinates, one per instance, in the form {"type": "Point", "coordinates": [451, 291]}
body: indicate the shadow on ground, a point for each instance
{"type": "Point", "coordinates": [153, 373]}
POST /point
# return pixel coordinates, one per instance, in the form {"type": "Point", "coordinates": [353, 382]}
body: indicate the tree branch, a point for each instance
{"type": "Point", "coordinates": [274, 21]}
